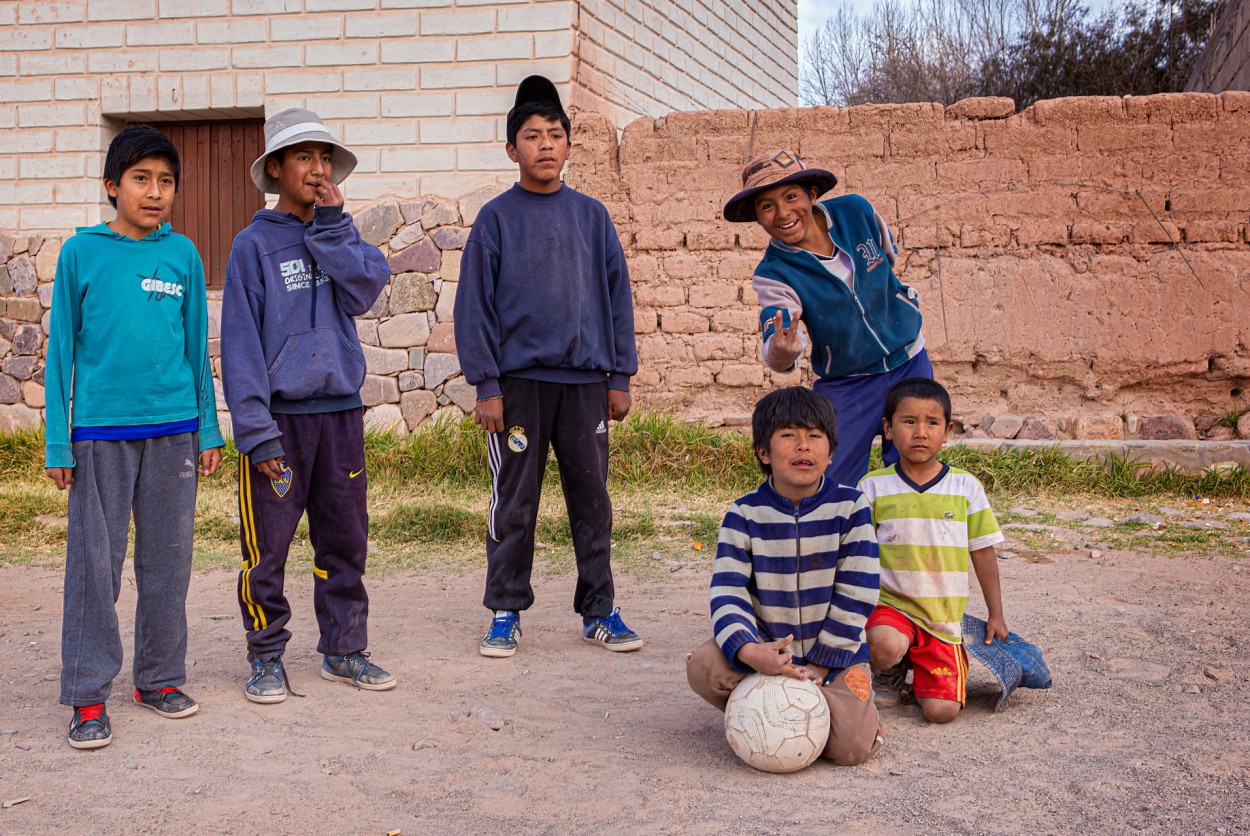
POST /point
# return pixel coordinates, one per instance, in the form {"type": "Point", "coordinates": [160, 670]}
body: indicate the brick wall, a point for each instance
{"type": "Point", "coordinates": [639, 58]}
{"type": "Point", "coordinates": [1225, 65]}
{"type": "Point", "coordinates": [1083, 266]}
{"type": "Point", "coordinates": [418, 88]}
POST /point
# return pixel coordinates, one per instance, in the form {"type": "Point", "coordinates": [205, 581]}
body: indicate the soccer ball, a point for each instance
{"type": "Point", "coordinates": [777, 723]}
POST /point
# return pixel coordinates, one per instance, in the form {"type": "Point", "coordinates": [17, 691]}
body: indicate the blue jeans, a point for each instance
{"type": "Point", "coordinates": [860, 405]}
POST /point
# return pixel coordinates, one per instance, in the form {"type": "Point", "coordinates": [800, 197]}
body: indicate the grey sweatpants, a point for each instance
{"type": "Point", "coordinates": [156, 477]}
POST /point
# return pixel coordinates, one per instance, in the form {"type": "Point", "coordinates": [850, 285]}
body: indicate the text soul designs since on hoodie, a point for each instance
{"type": "Point", "coordinates": [297, 276]}
{"type": "Point", "coordinates": [157, 288]}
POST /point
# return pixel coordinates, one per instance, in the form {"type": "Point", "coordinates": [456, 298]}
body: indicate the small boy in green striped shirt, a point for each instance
{"type": "Point", "coordinates": [930, 519]}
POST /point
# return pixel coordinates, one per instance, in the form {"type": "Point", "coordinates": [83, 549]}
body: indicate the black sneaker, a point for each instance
{"type": "Point", "coordinates": [268, 682]}
{"type": "Point", "coordinates": [610, 632]}
{"type": "Point", "coordinates": [501, 639]}
{"type": "Point", "coordinates": [167, 702]}
{"type": "Point", "coordinates": [356, 669]}
{"type": "Point", "coordinates": [90, 727]}
{"type": "Point", "coordinates": [889, 687]}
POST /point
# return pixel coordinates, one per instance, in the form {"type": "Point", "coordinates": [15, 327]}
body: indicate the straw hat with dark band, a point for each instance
{"type": "Point", "coordinates": [291, 127]}
{"type": "Point", "coordinates": [774, 168]}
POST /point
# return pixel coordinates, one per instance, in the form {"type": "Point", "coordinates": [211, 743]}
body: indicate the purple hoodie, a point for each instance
{"type": "Point", "coordinates": [288, 333]}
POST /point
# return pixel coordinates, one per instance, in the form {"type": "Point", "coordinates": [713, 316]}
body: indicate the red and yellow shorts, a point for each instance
{"type": "Point", "coordinates": [939, 670]}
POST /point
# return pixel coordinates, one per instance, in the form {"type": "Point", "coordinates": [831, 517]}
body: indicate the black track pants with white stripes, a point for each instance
{"type": "Point", "coordinates": [573, 419]}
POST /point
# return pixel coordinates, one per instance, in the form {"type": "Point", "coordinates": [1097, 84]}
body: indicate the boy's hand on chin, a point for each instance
{"type": "Point", "coordinates": [329, 194]}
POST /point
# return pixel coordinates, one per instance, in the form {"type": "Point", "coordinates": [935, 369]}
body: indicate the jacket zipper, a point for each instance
{"type": "Point", "coordinates": [863, 314]}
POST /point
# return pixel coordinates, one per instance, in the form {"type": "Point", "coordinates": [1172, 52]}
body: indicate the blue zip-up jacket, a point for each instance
{"type": "Point", "coordinates": [810, 570]}
{"type": "Point", "coordinates": [544, 294]}
{"type": "Point", "coordinates": [128, 343]}
{"type": "Point", "coordinates": [288, 333]}
{"type": "Point", "coordinates": [869, 329]}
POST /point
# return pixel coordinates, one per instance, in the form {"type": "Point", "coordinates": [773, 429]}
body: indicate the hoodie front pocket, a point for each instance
{"type": "Point", "coordinates": [321, 362]}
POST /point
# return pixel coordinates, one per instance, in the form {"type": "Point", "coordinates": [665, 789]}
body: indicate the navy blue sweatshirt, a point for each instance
{"type": "Point", "coordinates": [544, 294]}
{"type": "Point", "coordinates": [288, 337]}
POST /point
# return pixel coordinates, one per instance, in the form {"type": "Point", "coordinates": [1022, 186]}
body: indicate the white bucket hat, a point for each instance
{"type": "Point", "coordinates": [291, 127]}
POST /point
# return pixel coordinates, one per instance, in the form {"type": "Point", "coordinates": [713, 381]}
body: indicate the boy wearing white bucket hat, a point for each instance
{"type": "Point", "coordinates": [292, 367]}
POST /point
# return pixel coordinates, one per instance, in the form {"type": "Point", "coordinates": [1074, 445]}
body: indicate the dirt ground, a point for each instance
{"type": "Point", "coordinates": [1145, 728]}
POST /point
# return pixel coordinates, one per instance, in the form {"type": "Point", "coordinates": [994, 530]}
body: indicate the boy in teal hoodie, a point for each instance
{"type": "Point", "coordinates": [130, 412]}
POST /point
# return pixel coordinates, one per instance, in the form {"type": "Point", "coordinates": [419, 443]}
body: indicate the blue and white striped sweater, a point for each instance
{"type": "Point", "coordinates": [811, 571]}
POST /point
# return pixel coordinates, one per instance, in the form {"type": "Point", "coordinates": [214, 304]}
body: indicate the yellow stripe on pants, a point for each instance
{"type": "Point", "coordinates": [248, 522]}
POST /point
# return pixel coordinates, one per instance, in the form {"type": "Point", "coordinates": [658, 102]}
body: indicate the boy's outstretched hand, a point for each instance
{"type": "Point", "coordinates": [63, 476]}
{"type": "Point", "coordinates": [209, 459]}
{"type": "Point", "coordinates": [773, 659]}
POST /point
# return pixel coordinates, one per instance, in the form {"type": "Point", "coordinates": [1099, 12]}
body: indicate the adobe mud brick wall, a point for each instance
{"type": "Point", "coordinates": [1083, 266]}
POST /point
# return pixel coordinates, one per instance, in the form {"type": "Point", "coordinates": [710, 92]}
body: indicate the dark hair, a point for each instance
{"type": "Point", "coordinates": [917, 387]}
{"type": "Point", "coordinates": [793, 406]}
{"type": "Point", "coordinates": [135, 143]}
{"type": "Point", "coordinates": [548, 110]}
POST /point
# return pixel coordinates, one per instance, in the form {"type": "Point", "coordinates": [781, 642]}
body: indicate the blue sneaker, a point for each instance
{"type": "Point", "coordinates": [610, 632]}
{"type": "Point", "coordinates": [356, 669]}
{"type": "Point", "coordinates": [504, 632]}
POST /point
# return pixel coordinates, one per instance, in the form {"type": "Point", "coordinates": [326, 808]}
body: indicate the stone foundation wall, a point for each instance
{"type": "Point", "coordinates": [1083, 266]}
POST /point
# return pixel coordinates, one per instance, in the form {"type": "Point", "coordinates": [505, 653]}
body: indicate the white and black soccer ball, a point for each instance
{"type": "Point", "coordinates": [777, 723]}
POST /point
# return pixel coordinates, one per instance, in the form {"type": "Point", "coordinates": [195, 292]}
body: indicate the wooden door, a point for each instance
{"type": "Point", "coordinates": [216, 197]}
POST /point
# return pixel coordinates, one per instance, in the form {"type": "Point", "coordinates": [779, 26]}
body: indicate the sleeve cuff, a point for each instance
{"type": "Point", "coordinates": [59, 455]}
{"type": "Point", "coordinates": [327, 216]}
{"type": "Point", "coordinates": [831, 658]}
{"type": "Point", "coordinates": [488, 388]}
{"type": "Point", "coordinates": [732, 644]}
{"type": "Point", "coordinates": [618, 382]}
{"type": "Point", "coordinates": [266, 450]}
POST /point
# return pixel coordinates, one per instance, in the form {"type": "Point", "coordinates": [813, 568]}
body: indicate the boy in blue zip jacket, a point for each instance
{"type": "Point", "coordinates": [124, 431]}
{"type": "Point", "coordinates": [830, 265]}
{"type": "Point", "coordinates": [292, 367]}
{"type": "Point", "coordinates": [796, 577]}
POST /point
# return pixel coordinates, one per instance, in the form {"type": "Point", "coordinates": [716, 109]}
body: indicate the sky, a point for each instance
{"type": "Point", "coordinates": [812, 13]}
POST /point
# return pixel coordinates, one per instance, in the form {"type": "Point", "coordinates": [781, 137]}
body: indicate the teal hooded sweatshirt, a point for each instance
{"type": "Point", "coordinates": [128, 341]}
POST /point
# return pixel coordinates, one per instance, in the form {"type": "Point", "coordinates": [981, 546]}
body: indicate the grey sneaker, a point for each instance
{"type": "Point", "coordinates": [610, 632]}
{"type": "Point", "coordinates": [268, 682]}
{"type": "Point", "coordinates": [90, 727]}
{"type": "Point", "coordinates": [167, 702]}
{"type": "Point", "coordinates": [356, 669]}
{"type": "Point", "coordinates": [890, 685]}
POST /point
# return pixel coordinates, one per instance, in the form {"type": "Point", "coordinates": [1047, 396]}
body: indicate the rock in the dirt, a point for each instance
{"type": "Point", "coordinates": [422, 744]}
{"type": "Point", "coordinates": [487, 717]}
{"type": "Point", "coordinates": [1120, 610]}
{"type": "Point", "coordinates": [1006, 555]}
{"type": "Point", "coordinates": [131, 765]}
{"type": "Point", "coordinates": [1238, 516]}
{"type": "Point", "coordinates": [1024, 512]}
{"type": "Point", "coordinates": [1211, 675]}
{"type": "Point", "coordinates": [1144, 519]}
{"type": "Point", "coordinates": [1094, 655]}
{"type": "Point", "coordinates": [1099, 522]}
{"type": "Point", "coordinates": [1171, 512]}
{"type": "Point", "coordinates": [656, 556]}
{"type": "Point", "coordinates": [1094, 554]}
{"type": "Point", "coordinates": [1192, 689]}
{"type": "Point", "coordinates": [1202, 524]}
{"type": "Point", "coordinates": [1166, 428]}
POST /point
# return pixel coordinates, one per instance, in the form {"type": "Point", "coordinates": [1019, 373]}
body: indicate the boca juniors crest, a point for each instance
{"type": "Point", "coordinates": [282, 484]}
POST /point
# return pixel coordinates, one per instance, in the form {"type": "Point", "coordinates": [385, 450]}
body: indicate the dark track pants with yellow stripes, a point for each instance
{"type": "Point", "coordinates": [324, 474]}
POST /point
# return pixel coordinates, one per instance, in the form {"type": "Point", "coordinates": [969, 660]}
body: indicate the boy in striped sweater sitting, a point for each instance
{"type": "Point", "coordinates": [796, 577]}
{"type": "Point", "coordinates": [930, 518]}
